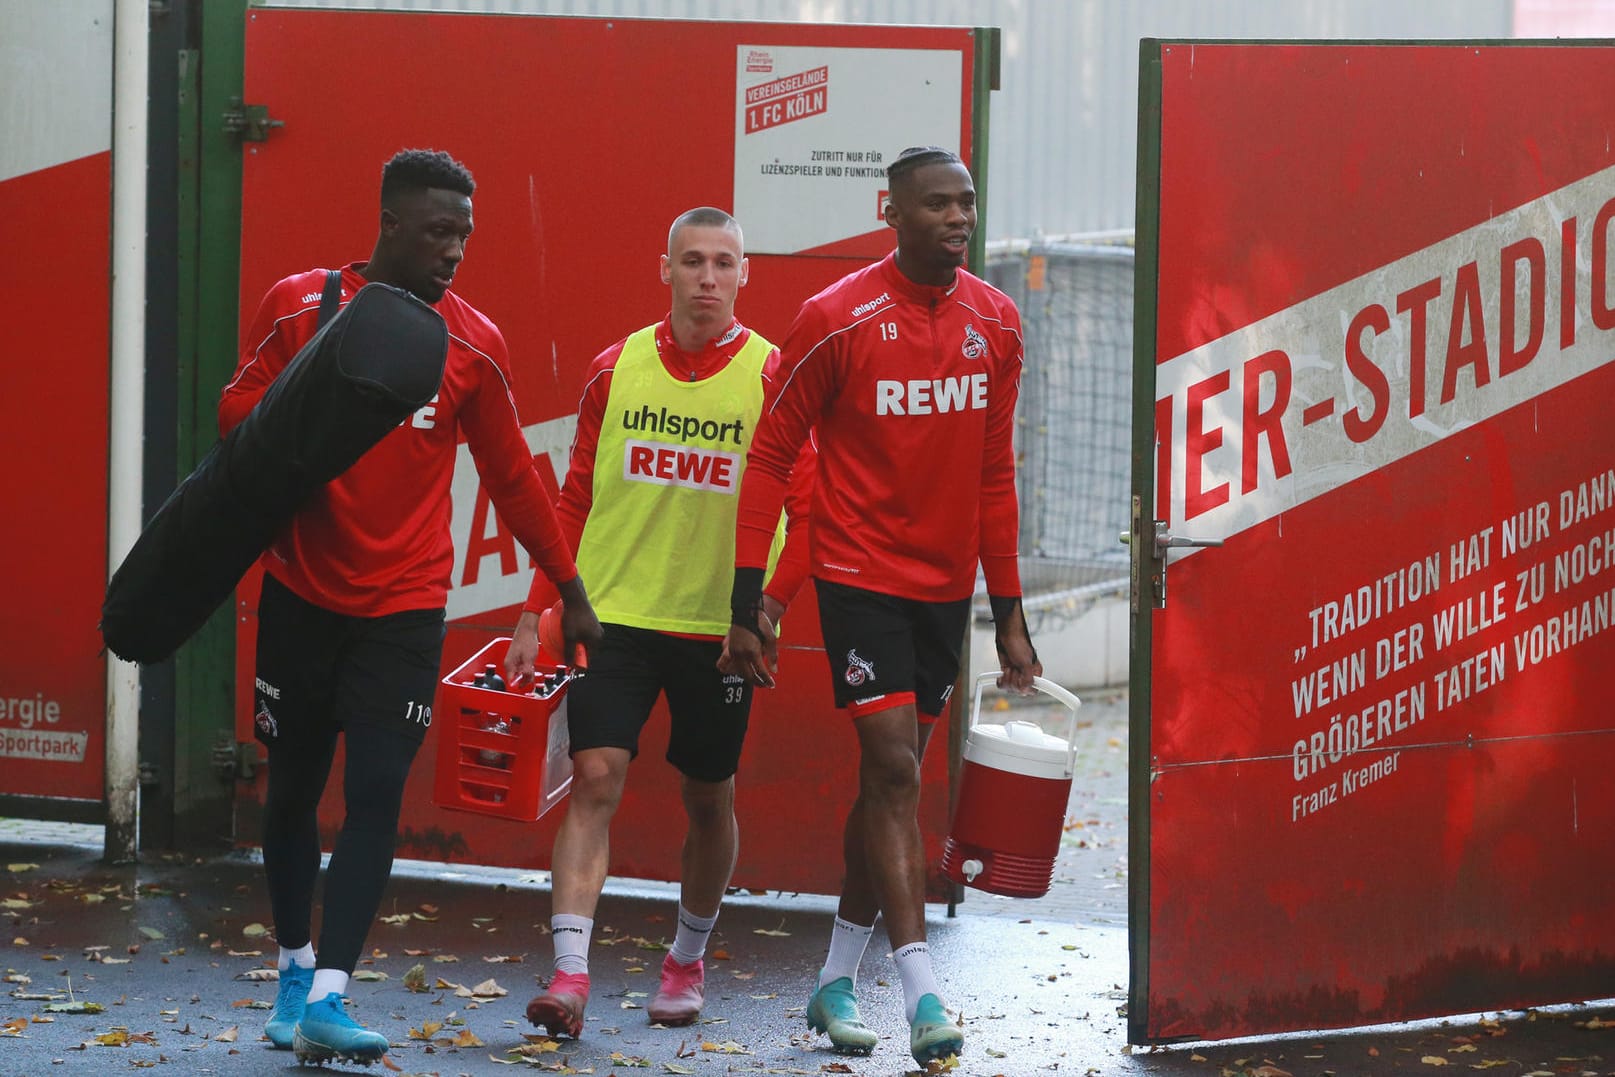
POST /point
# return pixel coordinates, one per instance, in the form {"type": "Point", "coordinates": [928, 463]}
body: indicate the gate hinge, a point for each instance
{"type": "Point", "coordinates": [251, 122]}
{"type": "Point", "coordinates": [236, 761]}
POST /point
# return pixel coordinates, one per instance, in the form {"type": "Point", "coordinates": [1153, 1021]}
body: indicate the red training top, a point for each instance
{"type": "Point", "coordinates": [375, 540]}
{"type": "Point", "coordinates": [910, 392]}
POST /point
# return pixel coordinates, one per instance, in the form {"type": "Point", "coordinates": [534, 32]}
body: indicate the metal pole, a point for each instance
{"type": "Point", "coordinates": [127, 433]}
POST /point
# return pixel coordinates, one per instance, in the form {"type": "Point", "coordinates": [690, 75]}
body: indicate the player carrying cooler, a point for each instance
{"type": "Point", "coordinates": [907, 371]}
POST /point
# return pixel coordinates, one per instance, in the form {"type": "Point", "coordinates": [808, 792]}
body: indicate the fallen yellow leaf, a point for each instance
{"type": "Point", "coordinates": [535, 1045]}
{"type": "Point", "coordinates": [631, 1061]}
{"type": "Point", "coordinates": [727, 1047]}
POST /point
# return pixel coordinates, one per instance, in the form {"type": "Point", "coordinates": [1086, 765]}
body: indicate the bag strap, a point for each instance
{"type": "Point", "coordinates": [330, 296]}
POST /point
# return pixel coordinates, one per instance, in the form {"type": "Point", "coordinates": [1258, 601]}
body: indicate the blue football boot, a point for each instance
{"type": "Point", "coordinates": [294, 987]}
{"type": "Point", "coordinates": [327, 1032]}
{"type": "Point", "coordinates": [931, 1035]}
{"type": "Point", "coordinates": [833, 1010]}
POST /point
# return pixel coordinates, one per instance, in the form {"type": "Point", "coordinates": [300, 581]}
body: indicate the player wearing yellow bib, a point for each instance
{"type": "Point", "coordinates": [649, 500]}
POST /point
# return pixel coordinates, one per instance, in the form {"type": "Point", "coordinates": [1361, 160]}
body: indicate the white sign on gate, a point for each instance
{"type": "Point", "coordinates": [815, 129]}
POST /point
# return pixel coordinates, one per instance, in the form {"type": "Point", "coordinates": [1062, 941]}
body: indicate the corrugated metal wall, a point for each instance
{"type": "Point", "coordinates": [1064, 124]}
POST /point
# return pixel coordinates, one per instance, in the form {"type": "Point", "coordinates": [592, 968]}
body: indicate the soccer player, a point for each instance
{"type": "Point", "coordinates": [350, 621]}
{"type": "Point", "coordinates": [906, 372]}
{"type": "Point", "coordinates": [665, 419]}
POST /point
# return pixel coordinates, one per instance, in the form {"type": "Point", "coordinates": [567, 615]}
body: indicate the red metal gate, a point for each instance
{"type": "Point", "coordinates": [1372, 749]}
{"type": "Point", "coordinates": [54, 410]}
{"type": "Point", "coordinates": [587, 136]}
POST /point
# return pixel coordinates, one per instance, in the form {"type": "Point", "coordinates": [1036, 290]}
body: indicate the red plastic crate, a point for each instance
{"type": "Point", "coordinates": [502, 753]}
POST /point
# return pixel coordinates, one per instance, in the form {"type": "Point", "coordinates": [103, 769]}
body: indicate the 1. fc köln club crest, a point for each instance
{"type": "Point", "coordinates": [859, 670]}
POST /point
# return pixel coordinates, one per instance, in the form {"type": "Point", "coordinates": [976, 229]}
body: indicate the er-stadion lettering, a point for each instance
{"type": "Point", "coordinates": [1519, 592]}
{"type": "Point", "coordinates": [1383, 365]}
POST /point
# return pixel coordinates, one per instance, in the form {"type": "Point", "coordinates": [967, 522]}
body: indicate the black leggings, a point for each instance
{"type": "Point", "coordinates": [376, 764]}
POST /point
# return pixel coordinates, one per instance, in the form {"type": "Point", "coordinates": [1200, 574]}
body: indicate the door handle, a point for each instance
{"type": "Point", "coordinates": [1161, 540]}
{"type": "Point", "coordinates": [1165, 540]}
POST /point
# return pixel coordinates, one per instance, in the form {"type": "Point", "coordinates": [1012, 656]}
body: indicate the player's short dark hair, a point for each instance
{"type": "Point", "coordinates": [709, 216]}
{"type": "Point", "coordinates": [417, 170]}
{"type": "Point", "coordinates": [918, 157]}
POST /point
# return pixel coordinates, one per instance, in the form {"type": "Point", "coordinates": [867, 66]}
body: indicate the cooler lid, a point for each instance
{"type": "Point", "coordinates": [1017, 746]}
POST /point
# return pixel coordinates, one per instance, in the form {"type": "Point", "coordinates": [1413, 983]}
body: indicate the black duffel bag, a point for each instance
{"type": "Point", "coordinates": [361, 375]}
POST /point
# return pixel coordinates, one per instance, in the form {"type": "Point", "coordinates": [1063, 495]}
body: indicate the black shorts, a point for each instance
{"type": "Point", "coordinates": [319, 670]}
{"type": "Point", "coordinates": [629, 668]}
{"type": "Point", "coordinates": [885, 651]}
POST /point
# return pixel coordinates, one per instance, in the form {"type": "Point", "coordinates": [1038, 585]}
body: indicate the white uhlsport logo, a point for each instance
{"type": "Point", "coordinates": [859, 670]}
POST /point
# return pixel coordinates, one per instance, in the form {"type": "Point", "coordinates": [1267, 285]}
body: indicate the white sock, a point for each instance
{"type": "Point", "coordinates": [571, 937]}
{"type": "Point", "coordinates": [847, 943]}
{"type": "Point", "coordinates": [326, 981]}
{"type": "Point", "coordinates": [691, 941]}
{"type": "Point", "coordinates": [302, 957]}
{"type": "Point", "coordinates": [914, 966]}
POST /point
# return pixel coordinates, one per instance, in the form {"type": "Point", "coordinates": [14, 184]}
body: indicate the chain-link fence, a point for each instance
{"type": "Point", "coordinates": [1074, 421]}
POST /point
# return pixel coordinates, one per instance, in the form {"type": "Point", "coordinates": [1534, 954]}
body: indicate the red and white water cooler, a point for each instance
{"type": "Point", "coordinates": [1013, 791]}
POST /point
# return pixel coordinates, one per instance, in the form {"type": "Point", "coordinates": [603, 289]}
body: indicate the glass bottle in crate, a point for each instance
{"type": "Point", "coordinates": [494, 722]}
{"type": "Point", "coordinates": [471, 717]}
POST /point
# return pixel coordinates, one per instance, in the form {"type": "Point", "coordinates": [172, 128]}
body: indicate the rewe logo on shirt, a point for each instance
{"type": "Point", "coordinates": [925, 396]}
{"type": "Point", "coordinates": [680, 465]}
